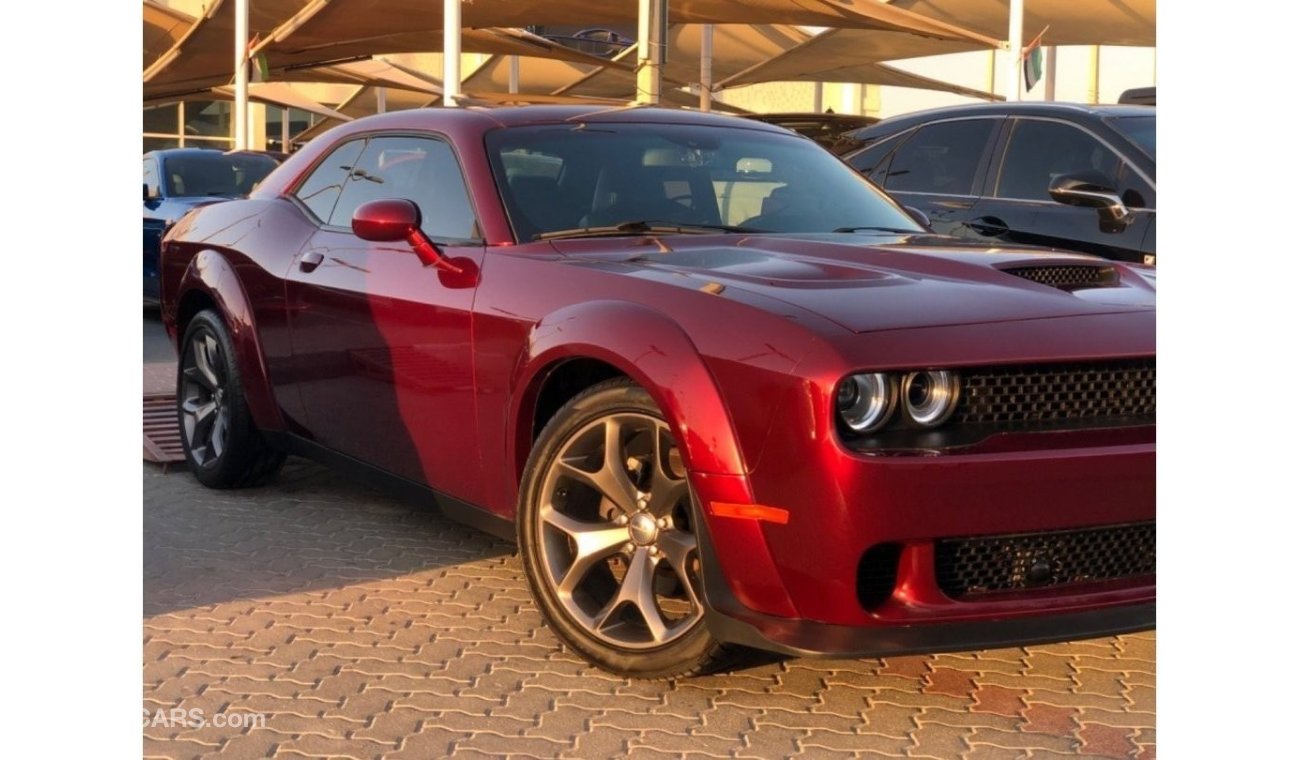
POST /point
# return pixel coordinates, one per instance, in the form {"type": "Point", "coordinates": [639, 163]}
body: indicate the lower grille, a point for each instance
{"type": "Point", "coordinates": [967, 567]}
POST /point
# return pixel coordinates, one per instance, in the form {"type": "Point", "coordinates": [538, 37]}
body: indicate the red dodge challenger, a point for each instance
{"type": "Point", "coordinates": [723, 391]}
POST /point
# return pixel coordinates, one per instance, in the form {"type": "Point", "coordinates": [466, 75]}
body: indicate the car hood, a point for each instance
{"type": "Point", "coordinates": [869, 282]}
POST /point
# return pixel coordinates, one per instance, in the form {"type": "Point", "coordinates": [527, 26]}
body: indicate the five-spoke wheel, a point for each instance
{"type": "Point", "coordinates": [222, 444]}
{"type": "Point", "coordinates": [608, 534]}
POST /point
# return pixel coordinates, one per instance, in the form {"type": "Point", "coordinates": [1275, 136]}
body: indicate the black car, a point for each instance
{"type": "Point", "coordinates": [1064, 175]}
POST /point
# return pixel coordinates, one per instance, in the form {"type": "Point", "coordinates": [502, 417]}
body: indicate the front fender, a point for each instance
{"type": "Point", "coordinates": [657, 354]}
{"type": "Point", "coordinates": [211, 274]}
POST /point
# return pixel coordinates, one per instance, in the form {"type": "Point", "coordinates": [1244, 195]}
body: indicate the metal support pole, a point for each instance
{"type": "Point", "coordinates": [381, 99]}
{"type": "Point", "coordinates": [450, 52]}
{"type": "Point", "coordinates": [284, 130]}
{"type": "Point", "coordinates": [513, 85]}
{"type": "Point", "coordinates": [1049, 72]}
{"type": "Point", "coordinates": [706, 67]}
{"type": "Point", "coordinates": [817, 97]}
{"type": "Point", "coordinates": [241, 75]}
{"type": "Point", "coordinates": [1015, 45]}
{"type": "Point", "coordinates": [1094, 73]}
{"type": "Point", "coordinates": [651, 24]}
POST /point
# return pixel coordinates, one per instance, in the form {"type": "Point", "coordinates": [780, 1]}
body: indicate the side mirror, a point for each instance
{"type": "Point", "coordinates": [919, 216]}
{"type": "Point", "coordinates": [1090, 189]}
{"type": "Point", "coordinates": [392, 219]}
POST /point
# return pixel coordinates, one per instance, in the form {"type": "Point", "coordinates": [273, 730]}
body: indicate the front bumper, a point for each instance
{"type": "Point", "coordinates": [794, 588]}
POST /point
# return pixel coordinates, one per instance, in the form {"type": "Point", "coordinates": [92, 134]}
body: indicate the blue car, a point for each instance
{"type": "Point", "coordinates": [176, 181]}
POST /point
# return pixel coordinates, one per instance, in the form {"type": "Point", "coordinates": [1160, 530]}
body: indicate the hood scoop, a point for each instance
{"type": "Point", "coordinates": [1067, 277]}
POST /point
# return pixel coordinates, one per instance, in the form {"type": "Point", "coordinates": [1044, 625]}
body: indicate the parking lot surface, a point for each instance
{"type": "Point", "coordinates": [360, 625]}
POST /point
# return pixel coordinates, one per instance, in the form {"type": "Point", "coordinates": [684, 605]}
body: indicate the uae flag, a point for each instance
{"type": "Point", "coordinates": [1032, 58]}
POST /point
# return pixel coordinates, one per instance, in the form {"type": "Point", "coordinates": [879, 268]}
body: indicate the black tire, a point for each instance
{"type": "Point", "coordinates": [691, 649]}
{"type": "Point", "coordinates": [222, 445]}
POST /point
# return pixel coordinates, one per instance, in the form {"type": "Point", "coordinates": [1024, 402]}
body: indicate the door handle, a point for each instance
{"type": "Point", "coordinates": [989, 226]}
{"type": "Point", "coordinates": [310, 260]}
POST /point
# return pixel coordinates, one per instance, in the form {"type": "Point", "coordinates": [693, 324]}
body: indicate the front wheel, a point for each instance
{"type": "Point", "coordinates": [222, 445]}
{"type": "Point", "coordinates": [607, 533]}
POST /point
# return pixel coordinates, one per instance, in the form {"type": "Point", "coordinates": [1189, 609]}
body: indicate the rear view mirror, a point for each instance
{"type": "Point", "coordinates": [1091, 190]}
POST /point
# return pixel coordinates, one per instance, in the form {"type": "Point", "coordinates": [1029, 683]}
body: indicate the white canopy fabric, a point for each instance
{"type": "Point", "coordinates": [751, 54]}
{"type": "Point", "coordinates": [163, 28]}
{"type": "Point", "coordinates": [855, 55]}
{"type": "Point", "coordinates": [326, 28]}
{"type": "Point", "coordinates": [1072, 22]}
{"type": "Point", "coordinates": [202, 57]}
{"type": "Point", "coordinates": [281, 95]}
{"type": "Point", "coordinates": [364, 102]}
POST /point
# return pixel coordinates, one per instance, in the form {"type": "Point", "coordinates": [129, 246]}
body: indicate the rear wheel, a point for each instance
{"type": "Point", "coordinates": [222, 445]}
{"type": "Point", "coordinates": [607, 534]}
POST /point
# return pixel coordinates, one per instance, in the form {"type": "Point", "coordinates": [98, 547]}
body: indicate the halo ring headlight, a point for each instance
{"type": "Point", "coordinates": [865, 402]}
{"type": "Point", "coordinates": [930, 396]}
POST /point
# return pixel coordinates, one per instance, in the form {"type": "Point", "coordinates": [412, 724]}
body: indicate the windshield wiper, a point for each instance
{"type": "Point", "coordinates": [870, 228]}
{"type": "Point", "coordinates": [643, 227]}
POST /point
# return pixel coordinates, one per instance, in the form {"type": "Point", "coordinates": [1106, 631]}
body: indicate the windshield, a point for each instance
{"type": "Point", "coordinates": [215, 173]}
{"type": "Point", "coordinates": [559, 178]}
{"type": "Point", "coordinates": [1140, 130]}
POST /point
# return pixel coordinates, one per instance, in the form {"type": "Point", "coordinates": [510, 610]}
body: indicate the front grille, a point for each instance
{"type": "Point", "coordinates": [967, 567]}
{"type": "Point", "coordinates": [1068, 276]}
{"type": "Point", "coordinates": [1064, 395]}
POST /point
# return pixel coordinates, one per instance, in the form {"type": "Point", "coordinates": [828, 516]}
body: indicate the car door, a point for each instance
{"type": "Point", "coordinates": [937, 168]}
{"type": "Point", "coordinates": [1017, 208]}
{"type": "Point", "coordinates": [154, 225]}
{"type": "Point", "coordinates": [381, 342]}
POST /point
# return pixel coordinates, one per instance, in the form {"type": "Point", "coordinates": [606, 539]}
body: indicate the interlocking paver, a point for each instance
{"type": "Point", "coordinates": [364, 626]}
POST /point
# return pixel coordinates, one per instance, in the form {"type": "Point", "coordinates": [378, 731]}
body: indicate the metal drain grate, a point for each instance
{"type": "Point", "coordinates": [162, 432]}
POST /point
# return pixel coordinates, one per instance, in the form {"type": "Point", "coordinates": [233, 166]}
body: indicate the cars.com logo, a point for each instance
{"type": "Point", "coordinates": [178, 717]}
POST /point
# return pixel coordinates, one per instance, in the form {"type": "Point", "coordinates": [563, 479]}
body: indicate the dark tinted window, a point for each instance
{"type": "Point", "coordinates": [151, 176]}
{"type": "Point", "coordinates": [872, 161]}
{"type": "Point", "coordinates": [940, 158]}
{"type": "Point", "coordinates": [557, 178]}
{"type": "Point", "coordinates": [212, 172]}
{"type": "Point", "coordinates": [419, 169]}
{"type": "Point", "coordinates": [1040, 151]}
{"type": "Point", "coordinates": [1140, 130]}
{"type": "Point", "coordinates": [321, 189]}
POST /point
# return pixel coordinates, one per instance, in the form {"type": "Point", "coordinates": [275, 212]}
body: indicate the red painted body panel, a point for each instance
{"type": "Point", "coordinates": [741, 340]}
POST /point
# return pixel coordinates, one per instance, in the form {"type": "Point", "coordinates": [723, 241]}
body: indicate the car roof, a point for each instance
{"type": "Point", "coordinates": [1083, 111]}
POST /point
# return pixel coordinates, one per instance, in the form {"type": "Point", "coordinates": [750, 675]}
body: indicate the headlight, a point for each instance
{"type": "Point", "coordinates": [930, 396]}
{"type": "Point", "coordinates": [865, 402]}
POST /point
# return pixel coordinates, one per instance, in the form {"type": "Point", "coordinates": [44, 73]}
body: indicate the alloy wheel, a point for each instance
{"type": "Point", "coordinates": [616, 533]}
{"type": "Point", "coordinates": [205, 410]}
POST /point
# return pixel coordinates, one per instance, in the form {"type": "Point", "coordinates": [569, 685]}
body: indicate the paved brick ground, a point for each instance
{"type": "Point", "coordinates": [364, 627]}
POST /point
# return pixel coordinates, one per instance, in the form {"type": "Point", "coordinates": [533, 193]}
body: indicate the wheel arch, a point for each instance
{"type": "Point", "coordinates": [581, 345]}
{"type": "Point", "coordinates": [210, 281]}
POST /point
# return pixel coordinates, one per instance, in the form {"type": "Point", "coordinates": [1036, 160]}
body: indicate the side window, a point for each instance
{"type": "Point", "coordinates": [1042, 150]}
{"type": "Point", "coordinates": [941, 158]}
{"type": "Point", "coordinates": [420, 169]}
{"type": "Point", "coordinates": [151, 177]}
{"type": "Point", "coordinates": [872, 162]}
{"type": "Point", "coordinates": [321, 189]}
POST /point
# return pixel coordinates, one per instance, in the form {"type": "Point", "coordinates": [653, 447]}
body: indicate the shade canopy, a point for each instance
{"type": "Point", "coordinates": [750, 54]}
{"type": "Point", "coordinates": [1072, 22]}
{"type": "Point", "coordinates": [329, 27]}
{"type": "Point", "coordinates": [202, 57]}
{"type": "Point", "coordinates": [163, 28]}
{"type": "Point", "coordinates": [854, 55]}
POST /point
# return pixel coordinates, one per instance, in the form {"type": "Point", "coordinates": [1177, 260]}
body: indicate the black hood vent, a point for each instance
{"type": "Point", "coordinates": [1068, 276]}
